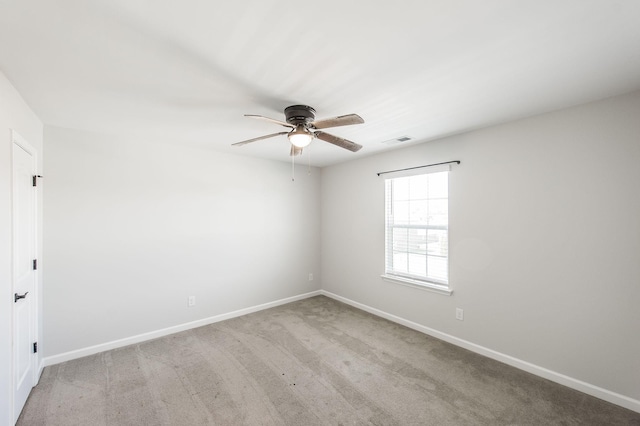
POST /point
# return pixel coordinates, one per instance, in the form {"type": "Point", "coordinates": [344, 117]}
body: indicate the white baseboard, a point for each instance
{"type": "Point", "coordinates": [589, 389]}
{"type": "Point", "coordinates": [79, 353]}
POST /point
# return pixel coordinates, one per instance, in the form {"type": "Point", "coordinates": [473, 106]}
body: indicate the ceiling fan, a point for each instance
{"type": "Point", "coordinates": [304, 128]}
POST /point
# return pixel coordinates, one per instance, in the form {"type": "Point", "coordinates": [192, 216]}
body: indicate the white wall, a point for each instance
{"type": "Point", "coordinates": [134, 227]}
{"type": "Point", "coordinates": [544, 240]}
{"type": "Point", "coordinates": [14, 114]}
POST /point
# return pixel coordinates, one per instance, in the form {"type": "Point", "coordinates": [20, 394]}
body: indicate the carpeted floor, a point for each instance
{"type": "Point", "coordinates": [312, 362]}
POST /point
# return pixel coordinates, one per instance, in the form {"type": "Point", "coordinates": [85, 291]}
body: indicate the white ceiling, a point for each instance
{"type": "Point", "coordinates": [189, 70]}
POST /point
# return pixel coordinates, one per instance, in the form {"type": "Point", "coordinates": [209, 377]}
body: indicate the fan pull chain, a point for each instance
{"type": "Point", "coordinates": [309, 157]}
{"type": "Point", "coordinates": [293, 168]}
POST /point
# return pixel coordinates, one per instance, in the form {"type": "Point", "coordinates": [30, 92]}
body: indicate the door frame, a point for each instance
{"type": "Point", "coordinates": [18, 142]}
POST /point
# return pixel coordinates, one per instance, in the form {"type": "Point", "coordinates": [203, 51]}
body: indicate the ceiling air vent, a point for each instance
{"type": "Point", "coordinates": [396, 141]}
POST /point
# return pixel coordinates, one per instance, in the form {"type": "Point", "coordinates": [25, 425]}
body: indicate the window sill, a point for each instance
{"type": "Point", "coordinates": [422, 285]}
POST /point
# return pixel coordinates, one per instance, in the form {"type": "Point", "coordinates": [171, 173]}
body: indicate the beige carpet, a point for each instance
{"type": "Point", "coordinates": [312, 362]}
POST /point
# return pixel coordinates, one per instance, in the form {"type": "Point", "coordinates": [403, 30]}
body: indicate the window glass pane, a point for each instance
{"type": "Point", "coordinates": [437, 267]}
{"type": "Point", "coordinates": [437, 242]}
{"type": "Point", "coordinates": [400, 262]}
{"type": "Point", "coordinates": [417, 242]}
{"type": "Point", "coordinates": [438, 212]}
{"type": "Point", "coordinates": [401, 212]}
{"type": "Point", "coordinates": [400, 239]}
{"type": "Point", "coordinates": [418, 187]}
{"type": "Point", "coordinates": [400, 189]}
{"type": "Point", "coordinates": [418, 214]}
{"type": "Point", "coordinates": [417, 264]}
{"type": "Point", "coordinates": [439, 185]}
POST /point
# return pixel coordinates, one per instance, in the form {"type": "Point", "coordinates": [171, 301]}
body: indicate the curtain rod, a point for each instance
{"type": "Point", "coordinates": [418, 167]}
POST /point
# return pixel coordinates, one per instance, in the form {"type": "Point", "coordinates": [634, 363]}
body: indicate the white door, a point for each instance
{"type": "Point", "coordinates": [24, 275]}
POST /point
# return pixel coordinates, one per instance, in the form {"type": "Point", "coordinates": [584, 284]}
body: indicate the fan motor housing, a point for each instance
{"type": "Point", "coordinates": [299, 114]}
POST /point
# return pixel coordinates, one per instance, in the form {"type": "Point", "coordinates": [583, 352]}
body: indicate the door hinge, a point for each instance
{"type": "Point", "coordinates": [35, 347]}
{"type": "Point", "coordinates": [35, 179]}
{"type": "Point", "coordinates": [35, 264]}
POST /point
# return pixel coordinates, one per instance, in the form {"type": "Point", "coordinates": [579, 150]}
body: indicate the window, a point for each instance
{"type": "Point", "coordinates": [417, 229]}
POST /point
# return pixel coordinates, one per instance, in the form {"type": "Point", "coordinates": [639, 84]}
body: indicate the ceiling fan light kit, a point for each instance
{"type": "Point", "coordinates": [304, 128]}
{"type": "Point", "coordinates": [300, 136]}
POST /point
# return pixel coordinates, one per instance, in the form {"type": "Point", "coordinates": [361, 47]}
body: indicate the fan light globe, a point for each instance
{"type": "Point", "coordinates": [300, 137]}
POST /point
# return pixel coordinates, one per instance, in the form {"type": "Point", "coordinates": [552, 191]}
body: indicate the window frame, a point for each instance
{"type": "Point", "coordinates": [412, 280]}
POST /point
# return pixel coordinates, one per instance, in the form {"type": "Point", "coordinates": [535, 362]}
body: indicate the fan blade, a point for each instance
{"type": "Point", "coordinates": [295, 150]}
{"type": "Point", "coordinates": [258, 138]}
{"type": "Point", "coordinates": [341, 142]}
{"type": "Point", "coordinates": [343, 120]}
{"type": "Point", "coordinates": [260, 117]}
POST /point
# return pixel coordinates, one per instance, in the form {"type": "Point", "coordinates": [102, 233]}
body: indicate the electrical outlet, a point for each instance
{"type": "Point", "coordinates": [459, 314]}
{"type": "Point", "coordinates": [310, 277]}
{"type": "Point", "coordinates": [192, 301]}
